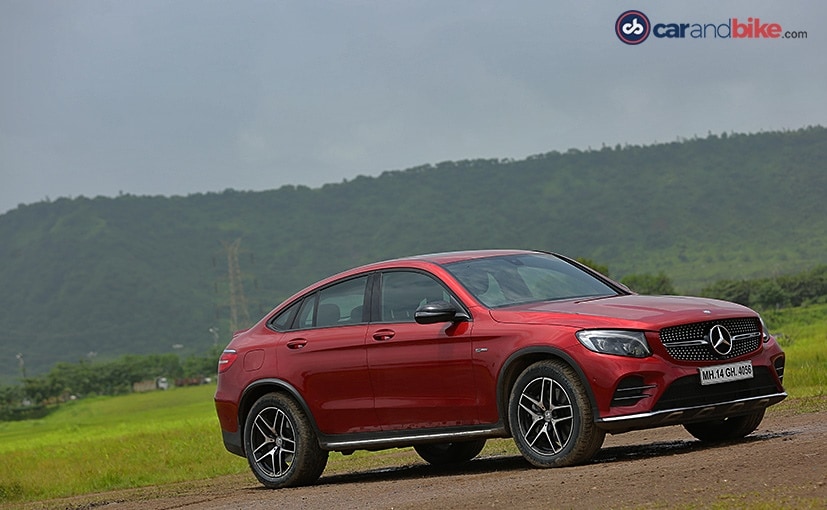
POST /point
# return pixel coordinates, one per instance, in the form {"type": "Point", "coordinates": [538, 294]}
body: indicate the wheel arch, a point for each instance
{"type": "Point", "coordinates": [522, 359]}
{"type": "Point", "coordinates": [261, 387]}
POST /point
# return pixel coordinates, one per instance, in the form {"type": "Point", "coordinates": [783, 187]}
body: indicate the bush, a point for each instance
{"type": "Point", "coordinates": [658, 284]}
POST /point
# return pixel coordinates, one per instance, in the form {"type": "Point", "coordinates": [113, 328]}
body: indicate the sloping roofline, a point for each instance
{"type": "Point", "coordinates": [457, 256]}
{"type": "Point", "coordinates": [438, 259]}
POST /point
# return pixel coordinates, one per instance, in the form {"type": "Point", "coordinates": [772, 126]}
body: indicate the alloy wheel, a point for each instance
{"type": "Point", "coordinates": [545, 416]}
{"type": "Point", "coordinates": [274, 441]}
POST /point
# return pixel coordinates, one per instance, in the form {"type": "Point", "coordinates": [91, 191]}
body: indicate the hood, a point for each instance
{"type": "Point", "coordinates": [633, 311]}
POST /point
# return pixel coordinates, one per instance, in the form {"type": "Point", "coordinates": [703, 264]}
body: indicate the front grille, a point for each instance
{"type": "Point", "coordinates": [689, 392]}
{"type": "Point", "coordinates": [690, 342]}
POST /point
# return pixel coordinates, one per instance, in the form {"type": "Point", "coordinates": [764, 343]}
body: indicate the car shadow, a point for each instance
{"type": "Point", "coordinates": [503, 463]}
{"type": "Point", "coordinates": [677, 447]}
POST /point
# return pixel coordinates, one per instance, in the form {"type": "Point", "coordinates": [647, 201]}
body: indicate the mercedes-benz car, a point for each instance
{"type": "Point", "coordinates": [441, 352]}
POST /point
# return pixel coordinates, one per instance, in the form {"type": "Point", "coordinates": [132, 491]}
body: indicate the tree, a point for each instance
{"type": "Point", "coordinates": [658, 284]}
{"type": "Point", "coordinates": [737, 291]}
{"type": "Point", "coordinates": [768, 294]}
{"type": "Point", "coordinates": [600, 268]}
{"type": "Point", "coordinates": [202, 366]}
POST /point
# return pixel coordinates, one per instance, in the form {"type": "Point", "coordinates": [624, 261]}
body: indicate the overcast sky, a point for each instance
{"type": "Point", "coordinates": [182, 96]}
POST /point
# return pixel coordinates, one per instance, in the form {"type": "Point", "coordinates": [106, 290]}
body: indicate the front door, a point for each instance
{"type": "Point", "coordinates": [421, 373]}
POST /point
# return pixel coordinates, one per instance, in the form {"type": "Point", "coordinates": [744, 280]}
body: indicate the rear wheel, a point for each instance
{"type": "Point", "coordinates": [445, 454]}
{"type": "Point", "coordinates": [726, 429]}
{"type": "Point", "coordinates": [551, 418]}
{"type": "Point", "coordinates": [281, 446]}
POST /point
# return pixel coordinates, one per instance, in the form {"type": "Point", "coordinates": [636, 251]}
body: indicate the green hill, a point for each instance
{"type": "Point", "coordinates": [143, 274]}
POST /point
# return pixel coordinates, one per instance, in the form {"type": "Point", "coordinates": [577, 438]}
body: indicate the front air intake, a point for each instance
{"type": "Point", "coordinates": [630, 391]}
{"type": "Point", "coordinates": [778, 365]}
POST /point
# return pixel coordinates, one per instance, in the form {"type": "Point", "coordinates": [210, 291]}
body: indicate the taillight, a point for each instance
{"type": "Point", "coordinates": [226, 360]}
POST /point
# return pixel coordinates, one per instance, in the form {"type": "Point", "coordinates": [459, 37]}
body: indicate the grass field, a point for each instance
{"type": "Point", "coordinates": [802, 332]}
{"type": "Point", "coordinates": [156, 438]}
{"type": "Point", "coordinates": [118, 442]}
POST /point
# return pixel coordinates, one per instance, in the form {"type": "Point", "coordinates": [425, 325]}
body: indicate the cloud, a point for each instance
{"type": "Point", "coordinates": [160, 97]}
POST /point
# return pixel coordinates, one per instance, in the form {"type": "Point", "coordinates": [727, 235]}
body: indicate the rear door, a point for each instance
{"type": "Point", "coordinates": [323, 353]}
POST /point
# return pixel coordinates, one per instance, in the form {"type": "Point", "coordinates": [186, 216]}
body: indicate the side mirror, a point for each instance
{"type": "Point", "coordinates": [438, 311]}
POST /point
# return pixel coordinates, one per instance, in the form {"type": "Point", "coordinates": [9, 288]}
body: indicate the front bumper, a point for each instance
{"type": "Point", "coordinates": [658, 392]}
{"type": "Point", "coordinates": [678, 416]}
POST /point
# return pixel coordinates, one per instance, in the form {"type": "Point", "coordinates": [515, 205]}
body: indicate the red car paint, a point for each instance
{"type": "Point", "coordinates": [373, 382]}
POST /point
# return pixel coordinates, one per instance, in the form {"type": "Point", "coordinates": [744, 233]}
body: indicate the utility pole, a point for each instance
{"type": "Point", "coordinates": [238, 303]}
{"type": "Point", "coordinates": [22, 364]}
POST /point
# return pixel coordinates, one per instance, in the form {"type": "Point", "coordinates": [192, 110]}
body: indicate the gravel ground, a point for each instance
{"type": "Point", "coordinates": [782, 465]}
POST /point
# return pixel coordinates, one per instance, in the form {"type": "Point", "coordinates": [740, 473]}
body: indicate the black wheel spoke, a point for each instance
{"type": "Point", "coordinates": [550, 416]}
{"type": "Point", "coordinates": [545, 415]}
{"type": "Point", "coordinates": [280, 443]}
{"type": "Point", "coordinates": [273, 441]}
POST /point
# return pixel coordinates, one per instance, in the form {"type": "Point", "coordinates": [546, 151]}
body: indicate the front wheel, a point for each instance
{"type": "Point", "coordinates": [726, 429]}
{"type": "Point", "coordinates": [551, 418]}
{"type": "Point", "coordinates": [280, 444]}
{"type": "Point", "coordinates": [446, 454]}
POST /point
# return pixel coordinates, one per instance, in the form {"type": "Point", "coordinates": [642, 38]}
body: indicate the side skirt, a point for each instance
{"type": "Point", "coordinates": [403, 438]}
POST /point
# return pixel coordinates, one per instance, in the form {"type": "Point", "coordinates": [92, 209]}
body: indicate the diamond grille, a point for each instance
{"type": "Point", "coordinates": [699, 331]}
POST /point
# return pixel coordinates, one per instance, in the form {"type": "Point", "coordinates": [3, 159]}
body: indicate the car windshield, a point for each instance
{"type": "Point", "coordinates": [526, 278]}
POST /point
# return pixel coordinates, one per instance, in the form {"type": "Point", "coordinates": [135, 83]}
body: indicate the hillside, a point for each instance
{"type": "Point", "coordinates": [141, 274]}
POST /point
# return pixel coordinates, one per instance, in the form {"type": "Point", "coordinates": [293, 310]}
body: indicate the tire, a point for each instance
{"type": "Point", "coordinates": [281, 445]}
{"type": "Point", "coordinates": [447, 454]}
{"type": "Point", "coordinates": [551, 417]}
{"type": "Point", "coordinates": [726, 429]}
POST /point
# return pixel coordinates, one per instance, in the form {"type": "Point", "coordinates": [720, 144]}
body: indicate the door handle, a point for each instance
{"type": "Point", "coordinates": [296, 344]}
{"type": "Point", "coordinates": [383, 334]}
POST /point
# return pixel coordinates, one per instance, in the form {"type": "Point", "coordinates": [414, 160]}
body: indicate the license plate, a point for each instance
{"type": "Point", "coordinates": [726, 373]}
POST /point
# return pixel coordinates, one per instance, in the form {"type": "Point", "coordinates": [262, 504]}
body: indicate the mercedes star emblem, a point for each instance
{"type": "Point", "coordinates": [720, 340]}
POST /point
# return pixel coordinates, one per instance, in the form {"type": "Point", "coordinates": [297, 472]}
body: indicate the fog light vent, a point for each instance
{"type": "Point", "coordinates": [630, 391]}
{"type": "Point", "coordinates": [779, 368]}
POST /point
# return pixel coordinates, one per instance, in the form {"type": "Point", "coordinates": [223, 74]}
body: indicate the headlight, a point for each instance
{"type": "Point", "coordinates": [765, 332]}
{"type": "Point", "coordinates": [615, 341]}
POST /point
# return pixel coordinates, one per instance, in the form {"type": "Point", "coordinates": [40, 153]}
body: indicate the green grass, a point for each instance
{"type": "Point", "coordinates": [158, 438]}
{"type": "Point", "coordinates": [113, 443]}
{"type": "Point", "coordinates": [802, 333]}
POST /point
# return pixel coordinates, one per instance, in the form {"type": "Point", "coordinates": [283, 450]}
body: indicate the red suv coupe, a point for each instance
{"type": "Point", "coordinates": [443, 351]}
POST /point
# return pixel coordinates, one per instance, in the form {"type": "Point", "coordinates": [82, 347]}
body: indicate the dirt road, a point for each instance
{"type": "Point", "coordinates": [783, 464]}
